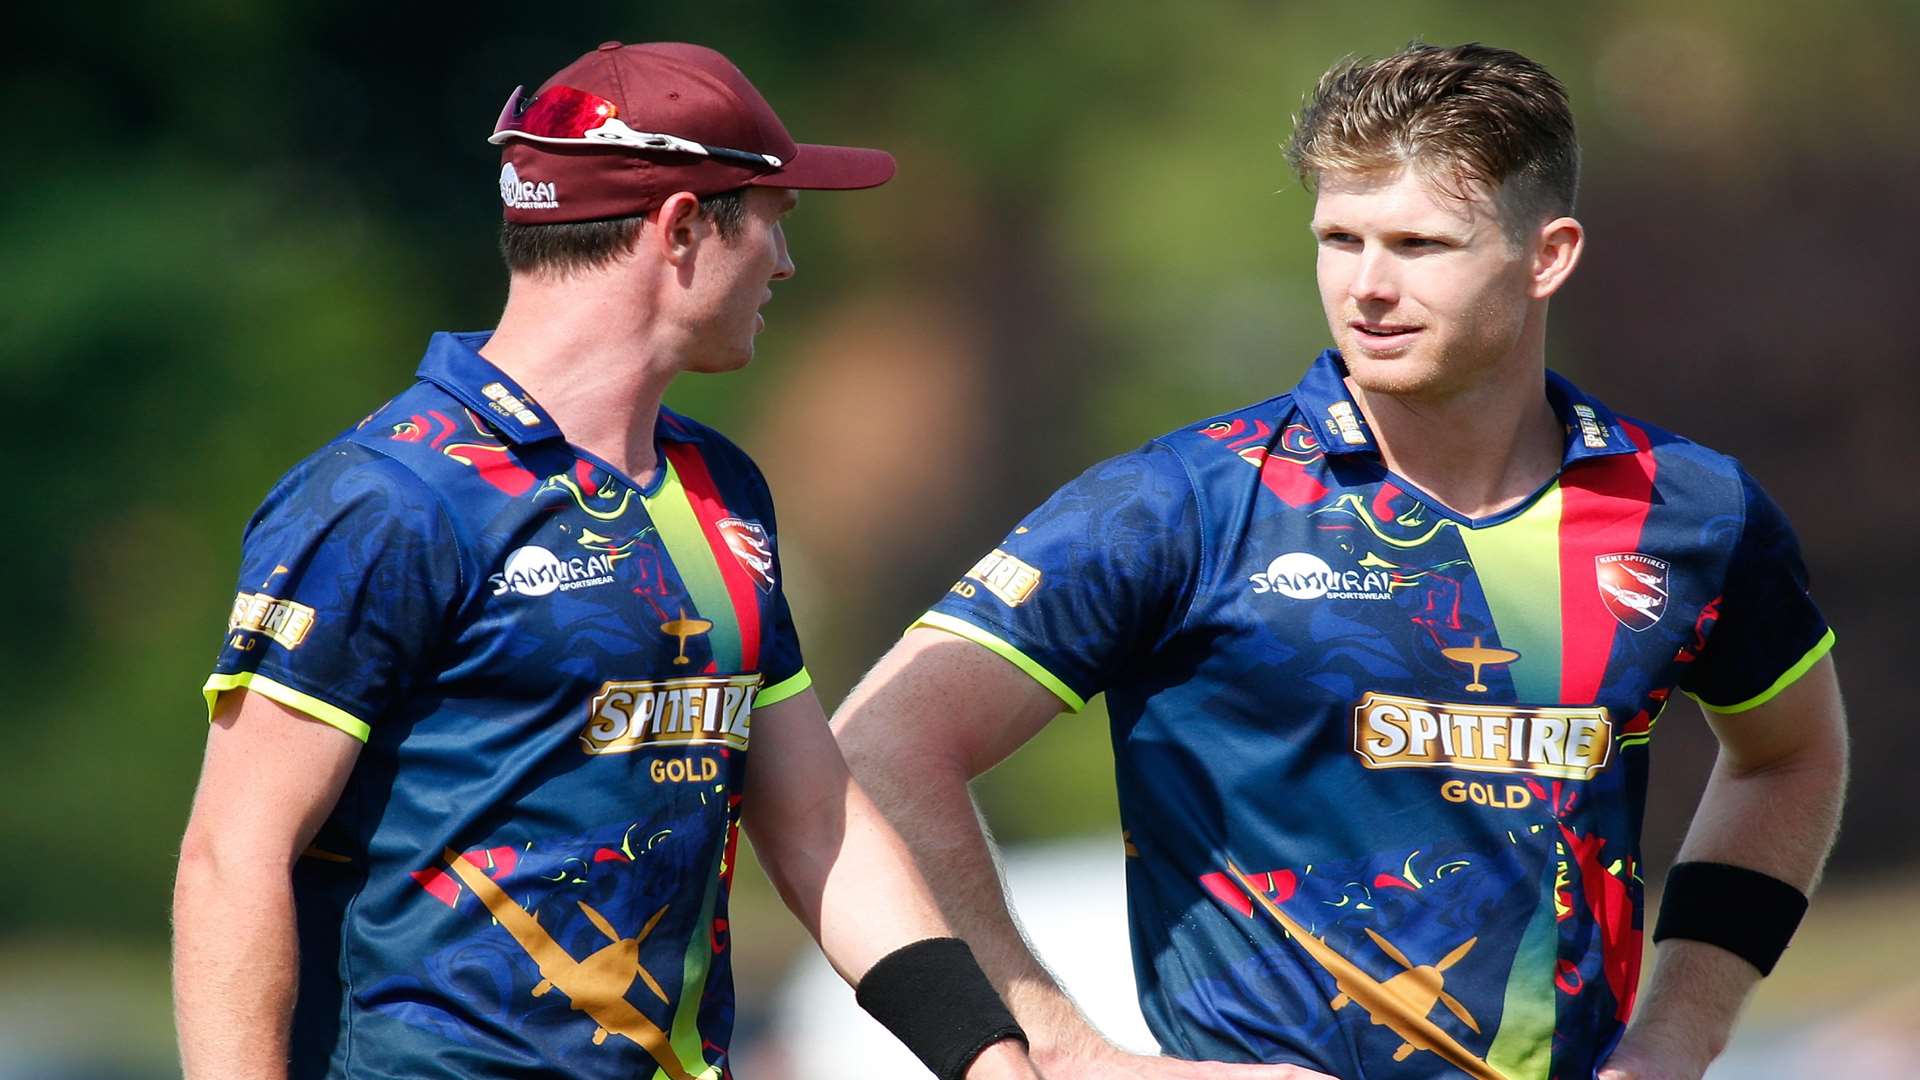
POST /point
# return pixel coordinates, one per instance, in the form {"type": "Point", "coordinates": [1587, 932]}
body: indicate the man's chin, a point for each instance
{"type": "Point", "coordinates": [720, 365]}
{"type": "Point", "coordinates": [1406, 373]}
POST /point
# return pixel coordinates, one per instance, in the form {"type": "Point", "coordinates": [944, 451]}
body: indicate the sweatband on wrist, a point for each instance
{"type": "Point", "coordinates": [934, 998]}
{"type": "Point", "coordinates": [1745, 912]}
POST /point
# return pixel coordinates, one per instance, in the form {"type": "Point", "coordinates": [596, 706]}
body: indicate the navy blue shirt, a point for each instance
{"type": "Point", "coordinates": [554, 669]}
{"type": "Point", "coordinates": [1382, 767]}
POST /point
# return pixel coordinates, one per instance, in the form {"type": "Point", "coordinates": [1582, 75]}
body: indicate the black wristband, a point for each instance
{"type": "Point", "coordinates": [1745, 912]}
{"type": "Point", "coordinates": [933, 996]}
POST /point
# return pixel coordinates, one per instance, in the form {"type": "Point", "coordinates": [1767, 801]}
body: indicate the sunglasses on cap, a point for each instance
{"type": "Point", "coordinates": [561, 114]}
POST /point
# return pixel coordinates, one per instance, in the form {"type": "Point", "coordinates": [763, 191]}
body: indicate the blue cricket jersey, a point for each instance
{"type": "Point", "coordinates": [1381, 767]}
{"type": "Point", "coordinates": [554, 670]}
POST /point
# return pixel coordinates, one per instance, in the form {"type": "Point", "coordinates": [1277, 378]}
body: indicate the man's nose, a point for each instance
{"type": "Point", "coordinates": [783, 266]}
{"type": "Point", "coordinates": [1373, 278]}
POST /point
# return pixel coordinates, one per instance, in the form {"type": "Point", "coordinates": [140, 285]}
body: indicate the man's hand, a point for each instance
{"type": "Point", "coordinates": [1004, 1060]}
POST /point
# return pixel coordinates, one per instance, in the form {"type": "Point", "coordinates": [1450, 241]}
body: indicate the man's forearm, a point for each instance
{"type": "Point", "coordinates": [929, 804]}
{"type": "Point", "coordinates": [235, 955]}
{"type": "Point", "coordinates": [1780, 821]}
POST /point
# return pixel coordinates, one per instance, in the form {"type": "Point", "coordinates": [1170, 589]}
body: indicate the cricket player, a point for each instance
{"type": "Point", "coordinates": [1384, 657]}
{"type": "Point", "coordinates": [502, 654]}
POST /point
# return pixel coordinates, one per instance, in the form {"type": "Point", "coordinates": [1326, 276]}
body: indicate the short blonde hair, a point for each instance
{"type": "Point", "coordinates": [1463, 113]}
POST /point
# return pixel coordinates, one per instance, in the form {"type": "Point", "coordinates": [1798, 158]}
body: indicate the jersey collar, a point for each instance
{"type": "Point", "coordinates": [1592, 429]}
{"type": "Point", "coordinates": [454, 364]}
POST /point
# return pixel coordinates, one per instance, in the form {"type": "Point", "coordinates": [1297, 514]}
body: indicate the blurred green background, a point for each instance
{"type": "Point", "coordinates": [231, 228]}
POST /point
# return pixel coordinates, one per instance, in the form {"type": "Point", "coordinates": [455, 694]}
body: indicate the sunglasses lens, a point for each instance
{"type": "Point", "coordinates": [559, 112]}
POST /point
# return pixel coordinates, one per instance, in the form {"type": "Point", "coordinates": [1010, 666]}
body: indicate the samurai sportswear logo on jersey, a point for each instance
{"type": "Point", "coordinates": [1303, 575]}
{"type": "Point", "coordinates": [526, 194]}
{"type": "Point", "coordinates": [712, 710]}
{"type": "Point", "coordinates": [535, 571]}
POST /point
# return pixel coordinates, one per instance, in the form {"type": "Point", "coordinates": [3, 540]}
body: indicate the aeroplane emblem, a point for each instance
{"type": "Point", "coordinates": [684, 628]}
{"type": "Point", "coordinates": [1478, 655]}
{"type": "Point", "coordinates": [1401, 1003]}
{"type": "Point", "coordinates": [597, 985]}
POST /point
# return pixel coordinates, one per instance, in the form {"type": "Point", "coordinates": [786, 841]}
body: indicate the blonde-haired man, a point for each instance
{"type": "Point", "coordinates": [1383, 657]}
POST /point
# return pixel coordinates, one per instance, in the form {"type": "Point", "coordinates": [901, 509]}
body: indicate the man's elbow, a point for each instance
{"type": "Point", "coordinates": [210, 860]}
{"type": "Point", "coordinates": [895, 755]}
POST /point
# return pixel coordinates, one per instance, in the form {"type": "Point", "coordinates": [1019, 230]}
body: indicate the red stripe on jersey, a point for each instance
{"type": "Point", "coordinates": [1604, 504]}
{"type": "Point", "coordinates": [710, 509]}
{"type": "Point", "coordinates": [1291, 480]}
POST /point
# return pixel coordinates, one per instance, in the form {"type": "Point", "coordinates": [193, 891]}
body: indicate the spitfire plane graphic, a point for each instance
{"type": "Point", "coordinates": [1643, 603]}
{"type": "Point", "coordinates": [1479, 656]}
{"type": "Point", "coordinates": [684, 628]}
{"type": "Point", "coordinates": [1418, 988]}
{"type": "Point", "coordinates": [1651, 581]}
{"type": "Point", "coordinates": [1401, 1003]}
{"type": "Point", "coordinates": [597, 985]}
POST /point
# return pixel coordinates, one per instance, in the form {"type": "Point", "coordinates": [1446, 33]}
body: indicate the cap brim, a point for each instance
{"type": "Point", "coordinates": [831, 168]}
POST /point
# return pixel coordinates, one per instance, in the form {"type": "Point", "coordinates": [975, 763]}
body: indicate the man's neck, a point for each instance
{"type": "Point", "coordinates": [1479, 451]}
{"type": "Point", "coordinates": [591, 363]}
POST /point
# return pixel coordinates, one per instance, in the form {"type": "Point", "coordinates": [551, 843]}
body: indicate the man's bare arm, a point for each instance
{"type": "Point", "coordinates": [935, 712]}
{"type": "Point", "coordinates": [1772, 804]}
{"type": "Point", "coordinates": [838, 864]}
{"type": "Point", "coordinates": [269, 778]}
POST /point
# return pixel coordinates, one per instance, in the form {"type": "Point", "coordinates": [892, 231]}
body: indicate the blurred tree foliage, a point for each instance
{"type": "Point", "coordinates": [230, 229]}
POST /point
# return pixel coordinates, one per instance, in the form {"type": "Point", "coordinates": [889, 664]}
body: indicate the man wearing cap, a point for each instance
{"type": "Point", "coordinates": [1383, 657]}
{"type": "Point", "coordinates": [482, 716]}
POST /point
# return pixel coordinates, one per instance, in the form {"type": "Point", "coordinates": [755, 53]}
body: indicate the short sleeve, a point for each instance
{"type": "Point", "coordinates": [349, 573]}
{"type": "Point", "coordinates": [780, 660]}
{"type": "Point", "coordinates": [1097, 578]}
{"type": "Point", "coordinates": [1768, 631]}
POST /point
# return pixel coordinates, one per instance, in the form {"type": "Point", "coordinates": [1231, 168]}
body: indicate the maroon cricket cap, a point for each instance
{"type": "Point", "coordinates": [686, 91]}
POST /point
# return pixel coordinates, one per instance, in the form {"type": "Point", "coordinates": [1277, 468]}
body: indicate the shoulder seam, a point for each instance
{"type": "Point", "coordinates": [1200, 576]}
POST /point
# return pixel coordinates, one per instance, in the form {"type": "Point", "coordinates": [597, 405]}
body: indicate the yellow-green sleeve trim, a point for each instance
{"type": "Point", "coordinates": [782, 690]}
{"type": "Point", "coordinates": [962, 628]}
{"type": "Point", "coordinates": [331, 715]}
{"type": "Point", "coordinates": [1787, 678]}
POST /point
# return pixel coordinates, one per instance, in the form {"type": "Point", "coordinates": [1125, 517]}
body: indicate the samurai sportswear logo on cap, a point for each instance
{"type": "Point", "coordinates": [625, 127]}
{"type": "Point", "coordinates": [526, 194]}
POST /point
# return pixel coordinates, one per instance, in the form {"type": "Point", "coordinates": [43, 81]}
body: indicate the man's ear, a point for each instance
{"type": "Point", "coordinates": [1556, 251]}
{"type": "Point", "coordinates": [678, 227]}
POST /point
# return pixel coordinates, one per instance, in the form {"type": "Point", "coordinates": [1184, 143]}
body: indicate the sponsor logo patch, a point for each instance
{"type": "Point", "coordinates": [749, 543]}
{"type": "Point", "coordinates": [526, 194]}
{"type": "Point", "coordinates": [1302, 575]}
{"type": "Point", "coordinates": [507, 406]}
{"type": "Point", "coordinates": [1633, 586]}
{"type": "Point", "coordinates": [535, 571]}
{"type": "Point", "coordinates": [1391, 732]}
{"type": "Point", "coordinates": [1342, 422]}
{"type": "Point", "coordinates": [699, 710]}
{"type": "Point", "coordinates": [285, 621]}
{"type": "Point", "coordinates": [1591, 433]}
{"type": "Point", "coordinates": [1005, 576]}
